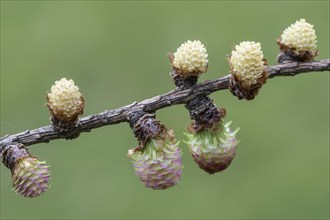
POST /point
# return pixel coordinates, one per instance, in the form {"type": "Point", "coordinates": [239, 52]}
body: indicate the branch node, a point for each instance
{"type": "Point", "coordinates": [12, 153]}
{"type": "Point", "coordinates": [204, 113]}
{"type": "Point", "coordinates": [290, 54]}
{"type": "Point", "coordinates": [145, 127]}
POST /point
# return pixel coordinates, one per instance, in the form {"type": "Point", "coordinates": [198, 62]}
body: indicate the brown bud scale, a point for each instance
{"type": "Point", "coordinates": [290, 54]}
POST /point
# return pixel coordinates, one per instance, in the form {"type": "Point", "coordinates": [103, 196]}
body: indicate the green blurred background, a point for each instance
{"type": "Point", "coordinates": [116, 52]}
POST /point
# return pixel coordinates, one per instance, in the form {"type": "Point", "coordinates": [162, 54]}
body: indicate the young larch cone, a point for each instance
{"type": "Point", "coordinates": [213, 150]}
{"type": "Point", "coordinates": [30, 176]}
{"type": "Point", "coordinates": [158, 163]}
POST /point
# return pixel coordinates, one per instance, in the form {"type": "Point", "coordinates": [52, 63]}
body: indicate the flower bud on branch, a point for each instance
{"type": "Point", "coordinates": [248, 70]}
{"type": "Point", "coordinates": [297, 43]}
{"type": "Point", "coordinates": [188, 62]}
{"type": "Point", "coordinates": [157, 159]}
{"type": "Point", "coordinates": [213, 150]}
{"type": "Point", "coordinates": [190, 59]}
{"type": "Point", "coordinates": [212, 145]}
{"type": "Point", "coordinates": [65, 103]}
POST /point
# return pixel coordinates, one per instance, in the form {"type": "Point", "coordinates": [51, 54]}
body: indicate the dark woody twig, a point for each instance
{"type": "Point", "coordinates": [174, 97]}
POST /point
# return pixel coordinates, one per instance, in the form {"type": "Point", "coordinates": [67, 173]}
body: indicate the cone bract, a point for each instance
{"type": "Point", "coordinates": [213, 151]}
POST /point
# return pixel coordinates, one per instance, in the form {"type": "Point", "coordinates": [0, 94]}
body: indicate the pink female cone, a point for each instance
{"type": "Point", "coordinates": [213, 151]}
{"type": "Point", "coordinates": [30, 177]}
{"type": "Point", "coordinates": [158, 164]}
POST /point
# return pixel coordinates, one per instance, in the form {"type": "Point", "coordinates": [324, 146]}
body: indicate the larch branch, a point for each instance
{"type": "Point", "coordinates": [174, 97]}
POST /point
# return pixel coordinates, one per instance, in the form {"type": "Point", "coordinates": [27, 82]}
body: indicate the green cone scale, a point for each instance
{"type": "Point", "coordinates": [158, 164]}
{"type": "Point", "coordinates": [213, 151]}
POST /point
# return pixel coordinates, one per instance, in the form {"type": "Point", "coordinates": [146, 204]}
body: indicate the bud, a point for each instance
{"type": "Point", "coordinates": [190, 59]}
{"type": "Point", "coordinates": [248, 69]}
{"type": "Point", "coordinates": [65, 104]}
{"type": "Point", "coordinates": [213, 150]}
{"type": "Point", "coordinates": [158, 163]}
{"type": "Point", "coordinates": [30, 176]}
{"type": "Point", "coordinates": [299, 41]}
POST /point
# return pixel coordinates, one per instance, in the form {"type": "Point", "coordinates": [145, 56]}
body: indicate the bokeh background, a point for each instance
{"type": "Point", "coordinates": [116, 52]}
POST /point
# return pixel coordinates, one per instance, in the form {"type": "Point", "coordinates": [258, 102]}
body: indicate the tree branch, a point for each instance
{"type": "Point", "coordinates": [174, 97]}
